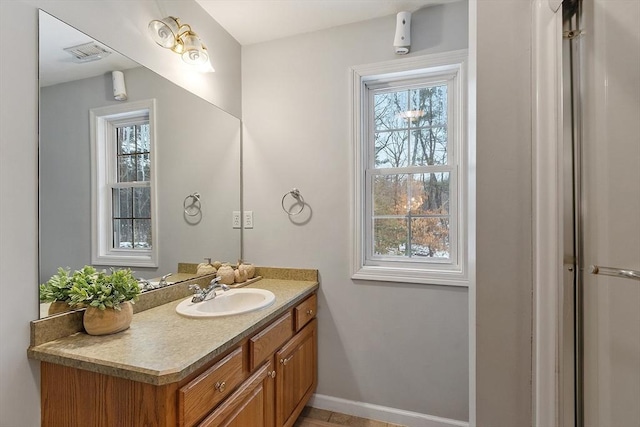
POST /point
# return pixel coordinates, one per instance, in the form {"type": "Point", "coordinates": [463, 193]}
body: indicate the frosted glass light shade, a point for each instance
{"type": "Point", "coordinates": [165, 31]}
{"type": "Point", "coordinates": [194, 52]}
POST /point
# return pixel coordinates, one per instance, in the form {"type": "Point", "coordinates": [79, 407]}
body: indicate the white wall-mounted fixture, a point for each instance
{"type": "Point", "coordinates": [402, 41]}
{"type": "Point", "coordinates": [180, 38]}
{"type": "Point", "coordinates": [119, 88]}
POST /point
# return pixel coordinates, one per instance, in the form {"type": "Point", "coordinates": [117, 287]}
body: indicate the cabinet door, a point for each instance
{"type": "Point", "coordinates": [251, 405]}
{"type": "Point", "coordinates": [296, 379]}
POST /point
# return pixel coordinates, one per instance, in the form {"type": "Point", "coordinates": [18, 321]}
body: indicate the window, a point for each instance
{"type": "Point", "coordinates": [409, 184]}
{"type": "Point", "coordinates": [123, 187]}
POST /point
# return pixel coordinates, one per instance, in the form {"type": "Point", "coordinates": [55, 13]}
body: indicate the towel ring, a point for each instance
{"type": "Point", "coordinates": [192, 204]}
{"type": "Point", "coordinates": [295, 193]}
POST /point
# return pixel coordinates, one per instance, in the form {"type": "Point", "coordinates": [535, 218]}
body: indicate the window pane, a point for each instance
{"type": "Point", "coordinates": [390, 195]}
{"type": "Point", "coordinates": [388, 109]}
{"type": "Point", "coordinates": [431, 102]}
{"type": "Point", "coordinates": [126, 168]}
{"type": "Point", "coordinates": [122, 233]}
{"type": "Point", "coordinates": [429, 146]}
{"type": "Point", "coordinates": [430, 193]}
{"type": "Point", "coordinates": [390, 236]}
{"type": "Point", "coordinates": [144, 144]}
{"type": "Point", "coordinates": [122, 203]}
{"type": "Point", "coordinates": [142, 233]}
{"type": "Point", "coordinates": [142, 202]}
{"type": "Point", "coordinates": [126, 139]}
{"type": "Point", "coordinates": [144, 167]}
{"type": "Point", "coordinates": [391, 149]}
{"type": "Point", "coordinates": [430, 237]}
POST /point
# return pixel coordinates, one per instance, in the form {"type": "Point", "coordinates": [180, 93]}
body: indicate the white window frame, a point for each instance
{"type": "Point", "coordinates": [449, 67]}
{"type": "Point", "coordinates": [103, 122]}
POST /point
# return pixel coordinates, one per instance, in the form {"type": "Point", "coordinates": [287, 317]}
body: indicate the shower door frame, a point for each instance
{"type": "Point", "coordinates": [552, 402]}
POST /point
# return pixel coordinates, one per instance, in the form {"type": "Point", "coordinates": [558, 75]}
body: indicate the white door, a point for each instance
{"type": "Point", "coordinates": [611, 212]}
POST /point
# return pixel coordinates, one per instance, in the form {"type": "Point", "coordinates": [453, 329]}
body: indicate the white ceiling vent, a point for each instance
{"type": "Point", "coordinates": [87, 52]}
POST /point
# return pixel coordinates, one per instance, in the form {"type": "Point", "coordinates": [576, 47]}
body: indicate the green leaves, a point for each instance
{"type": "Point", "coordinates": [88, 287]}
{"type": "Point", "coordinates": [57, 288]}
{"type": "Point", "coordinates": [102, 290]}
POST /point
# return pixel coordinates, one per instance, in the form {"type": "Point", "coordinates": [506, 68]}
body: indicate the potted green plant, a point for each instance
{"type": "Point", "coordinates": [107, 297]}
{"type": "Point", "coordinates": [56, 291]}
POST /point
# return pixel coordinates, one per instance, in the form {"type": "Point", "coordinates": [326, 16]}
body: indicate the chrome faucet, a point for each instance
{"type": "Point", "coordinates": [144, 284]}
{"type": "Point", "coordinates": [200, 294]}
{"type": "Point", "coordinates": [163, 281]}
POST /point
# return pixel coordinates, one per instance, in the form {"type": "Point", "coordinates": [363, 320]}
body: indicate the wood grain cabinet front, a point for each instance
{"type": "Point", "coordinates": [265, 343]}
{"type": "Point", "coordinates": [304, 312]}
{"type": "Point", "coordinates": [296, 375]}
{"type": "Point", "coordinates": [249, 406]}
{"type": "Point", "coordinates": [264, 381]}
{"type": "Point", "coordinates": [200, 396]}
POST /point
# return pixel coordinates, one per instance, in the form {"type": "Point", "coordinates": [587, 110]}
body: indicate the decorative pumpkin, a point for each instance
{"type": "Point", "coordinates": [249, 269]}
{"type": "Point", "coordinates": [206, 268]}
{"type": "Point", "coordinates": [217, 264]}
{"type": "Point", "coordinates": [226, 275]}
{"type": "Point", "coordinates": [240, 276]}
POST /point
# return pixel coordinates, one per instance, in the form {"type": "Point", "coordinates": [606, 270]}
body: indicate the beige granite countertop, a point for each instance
{"type": "Point", "coordinates": [162, 347]}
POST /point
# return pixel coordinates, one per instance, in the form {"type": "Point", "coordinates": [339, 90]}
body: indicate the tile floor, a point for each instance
{"type": "Point", "coordinates": [313, 417]}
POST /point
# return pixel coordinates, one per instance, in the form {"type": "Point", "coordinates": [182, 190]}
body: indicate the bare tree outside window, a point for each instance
{"type": "Point", "coordinates": [411, 215]}
{"type": "Point", "coordinates": [131, 195]}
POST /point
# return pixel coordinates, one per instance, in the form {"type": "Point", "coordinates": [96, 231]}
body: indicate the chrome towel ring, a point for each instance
{"type": "Point", "coordinates": [192, 205]}
{"type": "Point", "coordinates": [295, 193]}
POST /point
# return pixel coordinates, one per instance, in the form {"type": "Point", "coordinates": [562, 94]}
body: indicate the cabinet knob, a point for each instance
{"type": "Point", "coordinates": [271, 374]}
{"type": "Point", "coordinates": [285, 361]}
{"type": "Point", "coordinates": [310, 312]}
{"type": "Point", "coordinates": [220, 386]}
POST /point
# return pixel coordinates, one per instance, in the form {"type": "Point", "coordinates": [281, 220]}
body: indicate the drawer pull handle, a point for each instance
{"type": "Point", "coordinates": [271, 374]}
{"type": "Point", "coordinates": [310, 312]}
{"type": "Point", "coordinates": [285, 361]}
{"type": "Point", "coordinates": [220, 386]}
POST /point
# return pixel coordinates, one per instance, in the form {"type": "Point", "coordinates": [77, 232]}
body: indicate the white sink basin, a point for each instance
{"type": "Point", "coordinates": [229, 303]}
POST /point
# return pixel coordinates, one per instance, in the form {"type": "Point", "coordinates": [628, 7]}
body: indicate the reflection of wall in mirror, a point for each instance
{"type": "Point", "coordinates": [197, 150]}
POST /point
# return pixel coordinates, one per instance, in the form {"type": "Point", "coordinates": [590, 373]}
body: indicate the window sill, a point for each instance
{"type": "Point", "coordinates": [405, 275]}
{"type": "Point", "coordinates": [136, 260]}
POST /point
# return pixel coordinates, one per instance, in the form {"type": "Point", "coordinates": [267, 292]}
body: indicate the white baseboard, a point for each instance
{"type": "Point", "coordinates": [381, 413]}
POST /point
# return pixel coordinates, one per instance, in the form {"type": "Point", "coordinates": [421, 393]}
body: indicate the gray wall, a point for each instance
{"type": "Point", "coordinates": [198, 149]}
{"type": "Point", "coordinates": [396, 345]}
{"type": "Point", "coordinates": [19, 377]}
{"type": "Point", "coordinates": [504, 214]}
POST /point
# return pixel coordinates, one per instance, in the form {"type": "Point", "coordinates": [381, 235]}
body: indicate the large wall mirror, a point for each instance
{"type": "Point", "coordinates": [196, 150]}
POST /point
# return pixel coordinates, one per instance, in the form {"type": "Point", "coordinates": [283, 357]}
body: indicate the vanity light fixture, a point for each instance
{"type": "Point", "coordinates": [170, 33]}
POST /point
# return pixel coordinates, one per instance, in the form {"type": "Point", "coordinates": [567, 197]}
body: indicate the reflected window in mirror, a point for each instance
{"type": "Point", "coordinates": [124, 214]}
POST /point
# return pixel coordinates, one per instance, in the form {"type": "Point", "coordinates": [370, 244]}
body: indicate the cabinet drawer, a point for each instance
{"type": "Point", "coordinates": [251, 405]}
{"type": "Point", "coordinates": [265, 343]}
{"type": "Point", "coordinates": [305, 311]}
{"type": "Point", "coordinates": [201, 395]}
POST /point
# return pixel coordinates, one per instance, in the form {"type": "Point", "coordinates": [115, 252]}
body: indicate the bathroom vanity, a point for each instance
{"type": "Point", "coordinates": [253, 369]}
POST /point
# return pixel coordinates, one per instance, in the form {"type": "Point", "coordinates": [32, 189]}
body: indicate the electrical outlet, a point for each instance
{"type": "Point", "coordinates": [248, 219]}
{"type": "Point", "coordinates": [235, 219]}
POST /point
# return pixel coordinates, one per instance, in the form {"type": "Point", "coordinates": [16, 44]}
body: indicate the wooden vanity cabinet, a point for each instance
{"type": "Point", "coordinates": [201, 395]}
{"type": "Point", "coordinates": [296, 375]}
{"type": "Point", "coordinates": [250, 405]}
{"type": "Point", "coordinates": [265, 381]}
